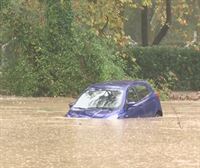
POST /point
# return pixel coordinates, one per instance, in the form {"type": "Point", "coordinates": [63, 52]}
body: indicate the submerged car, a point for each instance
{"type": "Point", "coordinates": [117, 100]}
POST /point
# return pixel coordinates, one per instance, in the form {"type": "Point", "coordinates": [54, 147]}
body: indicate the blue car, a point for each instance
{"type": "Point", "coordinates": [117, 100]}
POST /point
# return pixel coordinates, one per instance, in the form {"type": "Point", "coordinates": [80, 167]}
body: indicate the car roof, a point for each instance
{"type": "Point", "coordinates": [123, 84]}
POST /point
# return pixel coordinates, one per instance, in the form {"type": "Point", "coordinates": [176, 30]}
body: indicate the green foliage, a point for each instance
{"type": "Point", "coordinates": [47, 57]}
{"type": "Point", "coordinates": [19, 79]}
{"type": "Point", "coordinates": [35, 47]}
{"type": "Point", "coordinates": [46, 53]}
{"type": "Point", "coordinates": [174, 68]}
{"type": "Point", "coordinates": [105, 18]}
{"type": "Point", "coordinates": [97, 59]}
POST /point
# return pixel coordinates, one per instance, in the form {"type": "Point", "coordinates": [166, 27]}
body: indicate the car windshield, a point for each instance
{"type": "Point", "coordinates": [100, 98]}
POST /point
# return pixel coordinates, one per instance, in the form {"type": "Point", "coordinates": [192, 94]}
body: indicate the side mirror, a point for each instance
{"type": "Point", "coordinates": [71, 104]}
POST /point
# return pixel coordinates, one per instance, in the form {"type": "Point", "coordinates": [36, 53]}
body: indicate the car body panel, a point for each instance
{"type": "Point", "coordinates": [148, 106]}
{"type": "Point", "coordinates": [135, 110]}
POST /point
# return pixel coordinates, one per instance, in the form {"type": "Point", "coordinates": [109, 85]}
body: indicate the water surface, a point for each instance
{"type": "Point", "coordinates": [34, 134]}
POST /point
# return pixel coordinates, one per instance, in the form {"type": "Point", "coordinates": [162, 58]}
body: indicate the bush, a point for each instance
{"type": "Point", "coordinates": [174, 68]}
{"type": "Point", "coordinates": [36, 41]}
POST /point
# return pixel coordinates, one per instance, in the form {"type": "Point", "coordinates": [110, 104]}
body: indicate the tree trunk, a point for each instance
{"type": "Point", "coordinates": [144, 25]}
{"type": "Point", "coordinates": [166, 26]}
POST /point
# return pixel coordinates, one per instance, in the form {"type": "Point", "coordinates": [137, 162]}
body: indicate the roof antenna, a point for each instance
{"type": "Point", "coordinates": [173, 109]}
{"type": "Point", "coordinates": [176, 114]}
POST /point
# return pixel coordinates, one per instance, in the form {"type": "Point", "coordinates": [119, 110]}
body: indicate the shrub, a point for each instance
{"type": "Point", "coordinates": [176, 68]}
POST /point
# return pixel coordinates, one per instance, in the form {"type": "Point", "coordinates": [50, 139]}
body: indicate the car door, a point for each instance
{"type": "Point", "coordinates": [147, 100]}
{"type": "Point", "coordinates": [133, 108]}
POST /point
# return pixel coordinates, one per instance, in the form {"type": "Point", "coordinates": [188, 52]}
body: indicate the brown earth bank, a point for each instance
{"type": "Point", "coordinates": [185, 95]}
{"type": "Point", "coordinates": [35, 134]}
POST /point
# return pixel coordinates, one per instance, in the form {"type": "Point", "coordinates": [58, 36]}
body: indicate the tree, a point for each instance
{"type": "Point", "coordinates": [161, 29]}
{"type": "Point", "coordinates": [105, 18]}
{"type": "Point", "coordinates": [144, 25]}
{"type": "Point", "coordinates": [166, 26]}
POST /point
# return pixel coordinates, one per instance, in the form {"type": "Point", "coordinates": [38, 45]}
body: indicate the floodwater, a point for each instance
{"type": "Point", "coordinates": [34, 134]}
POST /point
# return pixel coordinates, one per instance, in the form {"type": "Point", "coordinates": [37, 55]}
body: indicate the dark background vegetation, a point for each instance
{"type": "Point", "coordinates": [58, 47]}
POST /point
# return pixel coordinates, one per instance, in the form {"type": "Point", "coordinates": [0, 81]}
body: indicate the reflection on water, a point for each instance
{"type": "Point", "coordinates": [34, 133]}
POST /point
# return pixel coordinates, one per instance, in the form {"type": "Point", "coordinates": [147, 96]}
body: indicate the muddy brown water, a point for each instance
{"type": "Point", "coordinates": [34, 134]}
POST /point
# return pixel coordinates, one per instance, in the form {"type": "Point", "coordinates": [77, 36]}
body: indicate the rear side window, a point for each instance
{"type": "Point", "coordinates": [142, 91]}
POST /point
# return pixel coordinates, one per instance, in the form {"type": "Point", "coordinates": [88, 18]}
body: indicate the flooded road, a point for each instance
{"type": "Point", "coordinates": [34, 134]}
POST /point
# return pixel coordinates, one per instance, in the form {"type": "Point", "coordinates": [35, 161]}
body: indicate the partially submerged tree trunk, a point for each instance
{"type": "Point", "coordinates": [144, 26]}
{"type": "Point", "coordinates": [166, 26]}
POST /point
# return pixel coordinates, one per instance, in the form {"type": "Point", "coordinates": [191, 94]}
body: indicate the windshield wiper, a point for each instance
{"type": "Point", "coordinates": [106, 108]}
{"type": "Point", "coordinates": [80, 108]}
{"type": "Point", "coordinates": [92, 108]}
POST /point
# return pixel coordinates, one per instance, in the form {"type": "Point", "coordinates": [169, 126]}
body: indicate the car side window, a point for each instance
{"type": "Point", "coordinates": [132, 95]}
{"type": "Point", "coordinates": [142, 91]}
